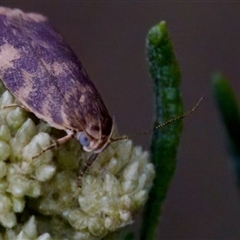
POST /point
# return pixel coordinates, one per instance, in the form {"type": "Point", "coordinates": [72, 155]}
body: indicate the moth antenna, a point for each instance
{"type": "Point", "coordinates": [162, 124]}
{"type": "Point", "coordinates": [100, 128]}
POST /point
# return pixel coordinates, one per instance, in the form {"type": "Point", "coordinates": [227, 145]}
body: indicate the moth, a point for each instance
{"type": "Point", "coordinates": [45, 75]}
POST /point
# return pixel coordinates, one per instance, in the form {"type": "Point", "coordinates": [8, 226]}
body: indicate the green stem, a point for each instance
{"type": "Point", "coordinates": [166, 76]}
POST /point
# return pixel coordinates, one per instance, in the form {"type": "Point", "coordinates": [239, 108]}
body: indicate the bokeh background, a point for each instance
{"type": "Point", "coordinates": [109, 38]}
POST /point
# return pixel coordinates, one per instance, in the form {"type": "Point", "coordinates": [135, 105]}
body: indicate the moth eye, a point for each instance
{"type": "Point", "coordinates": [84, 140]}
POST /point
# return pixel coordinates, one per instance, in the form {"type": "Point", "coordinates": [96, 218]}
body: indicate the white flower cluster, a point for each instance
{"type": "Point", "coordinates": [113, 188]}
{"type": "Point", "coordinates": [28, 231]}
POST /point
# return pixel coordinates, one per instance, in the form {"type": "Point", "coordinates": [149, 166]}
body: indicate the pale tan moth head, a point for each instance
{"type": "Point", "coordinates": [95, 139]}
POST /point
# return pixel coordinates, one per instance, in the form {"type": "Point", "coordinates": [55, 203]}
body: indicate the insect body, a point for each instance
{"type": "Point", "coordinates": [44, 74]}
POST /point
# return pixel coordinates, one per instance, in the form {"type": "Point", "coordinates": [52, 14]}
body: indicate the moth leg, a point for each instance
{"type": "Point", "coordinates": [14, 105]}
{"type": "Point", "coordinates": [57, 143]}
{"type": "Point", "coordinates": [89, 162]}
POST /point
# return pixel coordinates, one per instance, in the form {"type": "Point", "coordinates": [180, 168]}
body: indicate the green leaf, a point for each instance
{"type": "Point", "coordinates": [230, 115]}
{"type": "Point", "coordinates": [166, 76]}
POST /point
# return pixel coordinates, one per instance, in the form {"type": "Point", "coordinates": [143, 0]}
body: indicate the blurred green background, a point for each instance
{"type": "Point", "coordinates": [109, 38]}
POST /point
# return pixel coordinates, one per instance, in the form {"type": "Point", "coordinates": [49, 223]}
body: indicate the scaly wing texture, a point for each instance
{"type": "Point", "coordinates": [41, 70]}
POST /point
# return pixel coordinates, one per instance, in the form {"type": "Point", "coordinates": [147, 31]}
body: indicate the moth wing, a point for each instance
{"type": "Point", "coordinates": [41, 70]}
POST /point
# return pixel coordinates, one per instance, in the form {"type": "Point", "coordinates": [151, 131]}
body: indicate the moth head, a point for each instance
{"type": "Point", "coordinates": [94, 142]}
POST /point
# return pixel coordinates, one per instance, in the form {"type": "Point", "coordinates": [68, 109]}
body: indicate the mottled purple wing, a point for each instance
{"type": "Point", "coordinates": [39, 68]}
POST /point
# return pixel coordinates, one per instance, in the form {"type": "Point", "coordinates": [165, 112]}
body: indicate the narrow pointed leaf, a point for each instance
{"type": "Point", "coordinates": [166, 76]}
{"type": "Point", "coordinates": [229, 111]}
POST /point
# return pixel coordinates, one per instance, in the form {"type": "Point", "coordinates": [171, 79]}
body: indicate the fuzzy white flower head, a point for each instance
{"type": "Point", "coordinates": [113, 188]}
